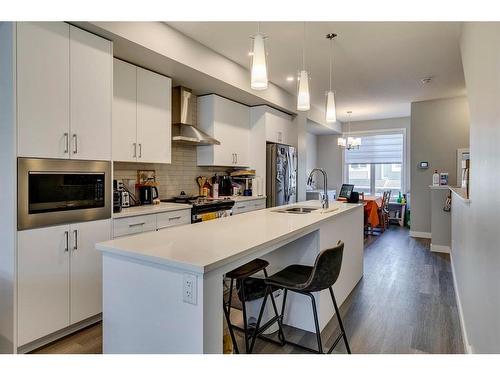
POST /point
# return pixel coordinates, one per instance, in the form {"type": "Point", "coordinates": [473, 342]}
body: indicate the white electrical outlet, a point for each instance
{"type": "Point", "coordinates": [189, 288]}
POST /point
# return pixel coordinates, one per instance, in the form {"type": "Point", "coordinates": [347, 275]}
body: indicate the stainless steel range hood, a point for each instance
{"type": "Point", "coordinates": [183, 129]}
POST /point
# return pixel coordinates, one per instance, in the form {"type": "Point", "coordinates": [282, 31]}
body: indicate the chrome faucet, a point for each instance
{"type": "Point", "coordinates": [324, 199]}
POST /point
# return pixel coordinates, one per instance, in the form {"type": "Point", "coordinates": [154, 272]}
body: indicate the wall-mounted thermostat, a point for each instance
{"type": "Point", "coordinates": [423, 165]}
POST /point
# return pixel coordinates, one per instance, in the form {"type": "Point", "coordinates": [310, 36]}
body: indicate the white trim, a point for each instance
{"type": "Point", "coordinates": [440, 249]}
{"type": "Point", "coordinates": [420, 234]}
{"type": "Point", "coordinates": [26, 348]}
{"type": "Point", "coordinates": [467, 346]}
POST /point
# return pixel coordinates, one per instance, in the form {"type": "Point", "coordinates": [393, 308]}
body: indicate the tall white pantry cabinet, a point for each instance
{"type": "Point", "coordinates": [56, 102]}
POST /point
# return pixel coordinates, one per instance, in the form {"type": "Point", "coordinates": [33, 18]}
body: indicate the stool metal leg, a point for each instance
{"type": "Point", "coordinates": [342, 330]}
{"type": "Point", "coordinates": [259, 319]}
{"type": "Point", "coordinates": [281, 334]}
{"type": "Point", "coordinates": [316, 323]}
{"type": "Point", "coordinates": [244, 308]}
{"type": "Point", "coordinates": [227, 313]}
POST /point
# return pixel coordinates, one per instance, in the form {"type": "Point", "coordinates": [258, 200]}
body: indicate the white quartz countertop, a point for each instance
{"type": "Point", "coordinates": [206, 246]}
{"type": "Point", "coordinates": [460, 193]}
{"type": "Point", "coordinates": [439, 187]}
{"type": "Point", "coordinates": [242, 198]}
{"type": "Point", "coordinates": [149, 209]}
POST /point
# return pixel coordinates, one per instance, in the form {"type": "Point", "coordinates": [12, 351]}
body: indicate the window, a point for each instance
{"type": "Point", "coordinates": [377, 165]}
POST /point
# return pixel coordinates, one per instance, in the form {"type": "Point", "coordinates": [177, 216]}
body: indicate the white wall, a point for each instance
{"type": "Point", "coordinates": [8, 171]}
{"type": "Point", "coordinates": [477, 265]}
{"type": "Point", "coordinates": [329, 157]}
{"type": "Point", "coordinates": [312, 154]}
{"type": "Point", "coordinates": [438, 128]}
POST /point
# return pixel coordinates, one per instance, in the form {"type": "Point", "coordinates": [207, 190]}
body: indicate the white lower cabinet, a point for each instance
{"type": "Point", "coordinates": [173, 218]}
{"type": "Point", "coordinates": [59, 277]}
{"type": "Point", "coordinates": [127, 226]}
{"type": "Point", "coordinates": [249, 205]}
{"type": "Point", "coordinates": [86, 269]}
{"type": "Point", "coordinates": [42, 282]}
{"type": "Point", "coordinates": [133, 225]}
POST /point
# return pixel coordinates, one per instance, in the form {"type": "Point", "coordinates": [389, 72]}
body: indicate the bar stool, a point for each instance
{"type": "Point", "coordinates": [306, 280]}
{"type": "Point", "coordinates": [242, 276]}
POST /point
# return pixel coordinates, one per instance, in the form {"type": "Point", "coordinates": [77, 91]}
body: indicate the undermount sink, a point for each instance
{"type": "Point", "coordinates": [297, 210]}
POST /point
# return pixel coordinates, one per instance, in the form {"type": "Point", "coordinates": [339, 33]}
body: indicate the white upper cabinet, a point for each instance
{"type": "Point", "coordinates": [91, 94]}
{"type": "Point", "coordinates": [124, 111]}
{"type": "Point", "coordinates": [142, 119]}
{"type": "Point", "coordinates": [43, 89]}
{"type": "Point", "coordinates": [154, 118]}
{"type": "Point", "coordinates": [279, 127]}
{"type": "Point", "coordinates": [64, 78]}
{"type": "Point", "coordinates": [229, 123]}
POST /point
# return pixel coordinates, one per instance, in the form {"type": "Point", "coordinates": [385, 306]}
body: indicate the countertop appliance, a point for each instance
{"type": "Point", "coordinates": [147, 194]}
{"type": "Point", "coordinates": [225, 186]}
{"type": "Point", "coordinates": [346, 190]}
{"type": "Point", "coordinates": [204, 209]}
{"type": "Point", "coordinates": [117, 197]}
{"type": "Point", "coordinates": [317, 195]}
{"type": "Point", "coordinates": [281, 170]}
{"type": "Point", "coordinates": [125, 199]}
{"type": "Point", "coordinates": [58, 191]}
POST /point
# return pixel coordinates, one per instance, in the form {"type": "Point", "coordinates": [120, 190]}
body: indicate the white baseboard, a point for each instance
{"type": "Point", "coordinates": [59, 334]}
{"type": "Point", "coordinates": [440, 249]}
{"type": "Point", "coordinates": [467, 347]}
{"type": "Point", "coordinates": [420, 234]}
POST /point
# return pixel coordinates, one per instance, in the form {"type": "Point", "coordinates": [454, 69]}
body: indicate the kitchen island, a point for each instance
{"type": "Point", "coordinates": [162, 291]}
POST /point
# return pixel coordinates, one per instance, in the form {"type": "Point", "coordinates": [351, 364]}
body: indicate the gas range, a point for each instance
{"type": "Point", "coordinates": [203, 208]}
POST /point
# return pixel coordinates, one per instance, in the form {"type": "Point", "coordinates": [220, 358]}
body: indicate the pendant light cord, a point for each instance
{"type": "Point", "coordinates": [331, 62]}
{"type": "Point", "coordinates": [304, 49]}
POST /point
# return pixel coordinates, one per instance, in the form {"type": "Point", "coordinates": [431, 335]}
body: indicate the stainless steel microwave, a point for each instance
{"type": "Point", "coordinates": [57, 191]}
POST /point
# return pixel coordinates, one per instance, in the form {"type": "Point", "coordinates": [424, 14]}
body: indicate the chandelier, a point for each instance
{"type": "Point", "coordinates": [348, 142]}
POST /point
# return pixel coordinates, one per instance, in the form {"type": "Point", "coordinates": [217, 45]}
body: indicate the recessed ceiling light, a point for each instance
{"type": "Point", "coordinates": [426, 80]}
{"type": "Point", "coordinates": [250, 53]}
{"type": "Point", "coordinates": [289, 78]}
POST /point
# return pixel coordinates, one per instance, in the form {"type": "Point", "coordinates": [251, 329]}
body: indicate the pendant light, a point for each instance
{"type": "Point", "coordinates": [303, 97]}
{"type": "Point", "coordinates": [331, 115]}
{"type": "Point", "coordinates": [258, 72]}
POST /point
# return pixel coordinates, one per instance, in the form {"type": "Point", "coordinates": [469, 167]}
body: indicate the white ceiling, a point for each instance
{"type": "Point", "coordinates": [377, 65]}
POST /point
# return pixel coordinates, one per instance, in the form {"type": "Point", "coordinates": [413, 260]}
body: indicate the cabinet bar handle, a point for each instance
{"type": "Point", "coordinates": [136, 224]}
{"type": "Point", "coordinates": [135, 149]}
{"type": "Point", "coordinates": [140, 150]}
{"type": "Point", "coordinates": [66, 138]}
{"type": "Point", "coordinates": [236, 158]}
{"type": "Point", "coordinates": [66, 235]}
{"type": "Point", "coordinates": [75, 144]}
{"type": "Point", "coordinates": [75, 234]}
{"type": "Point", "coordinates": [174, 218]}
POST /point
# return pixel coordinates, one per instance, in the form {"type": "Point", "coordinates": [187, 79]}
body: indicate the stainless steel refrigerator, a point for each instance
{"type": "Point", "coordinates": [281, 175]}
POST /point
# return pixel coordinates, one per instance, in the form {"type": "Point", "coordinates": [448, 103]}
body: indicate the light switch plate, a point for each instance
{"type": "Point", "coordinates": [189, 288]}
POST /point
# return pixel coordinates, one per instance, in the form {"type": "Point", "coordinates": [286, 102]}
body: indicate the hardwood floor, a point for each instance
{"type": "Point", "coordinates": [405, 303]}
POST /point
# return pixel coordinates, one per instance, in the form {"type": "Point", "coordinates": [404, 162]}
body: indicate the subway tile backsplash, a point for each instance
{"type": "Point", "coordinates": [172, 178]}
